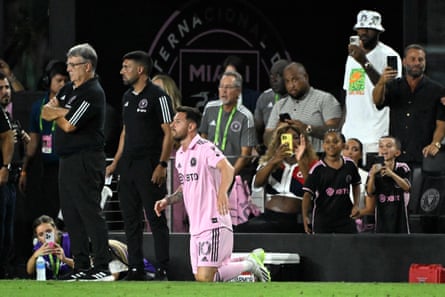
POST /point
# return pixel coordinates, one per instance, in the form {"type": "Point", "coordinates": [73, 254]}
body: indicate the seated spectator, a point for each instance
{"type": "Point", "coordinates": [283, 194]}
{"type": "Point", "coordinates": [55, 247]}
{"type": "Point", "coordinates": [57, 253]}
{"type": "Point", "coordinates": [388, 189]}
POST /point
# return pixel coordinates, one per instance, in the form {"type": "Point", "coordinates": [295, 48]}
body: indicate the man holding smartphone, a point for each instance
{"type": "Point", "coordinates": [417, 107]}
{"type": "Point", "coordinates": [364, 64]}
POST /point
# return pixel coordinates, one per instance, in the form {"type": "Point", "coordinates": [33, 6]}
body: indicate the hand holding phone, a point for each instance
{"type": "Point", "coordinates": [391, 61]}
{"type": "Point", "coordinates": [287, 139]}
{"type": "Point", "coordinates": [284, 117]}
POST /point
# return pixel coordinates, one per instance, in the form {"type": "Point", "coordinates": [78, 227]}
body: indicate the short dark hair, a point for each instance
{"type": "Point", "coordinates": [191, 113]}
{"type": "Point", "coordinates": [413, 46]}
{"type": "Point", "coordinates": [142, 58]}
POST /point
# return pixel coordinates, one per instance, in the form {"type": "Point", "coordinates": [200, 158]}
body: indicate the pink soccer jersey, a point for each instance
{"type": "Point", "coordinates": [200, 180]}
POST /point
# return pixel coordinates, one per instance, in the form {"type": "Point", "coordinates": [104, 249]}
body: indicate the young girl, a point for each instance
{"type": "Point", "coordinates": [328, 185]}
{"type": "Point", "coordinates": [56, 252]}
{"type": "Point", "coordinates": [388, 189]}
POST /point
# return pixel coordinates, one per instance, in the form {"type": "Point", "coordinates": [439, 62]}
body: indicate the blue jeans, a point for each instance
{"type": "Point", "coordinates": [7, 211]}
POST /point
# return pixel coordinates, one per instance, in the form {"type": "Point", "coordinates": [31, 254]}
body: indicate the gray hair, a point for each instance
{"type": "Point", "coordinates": [85, 51]}
{"type": "Point", "coordinates": [238, 77]}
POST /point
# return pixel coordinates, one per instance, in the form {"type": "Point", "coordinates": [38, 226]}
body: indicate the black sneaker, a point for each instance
{"type": "Point", "coordinates": [137, 275]}
{"type": "Point", "coordinates": [98, 275]}
{"type": "Point", "coordinates": [74, 275]}
{"type": "Point", "coordinates": [161, 275]}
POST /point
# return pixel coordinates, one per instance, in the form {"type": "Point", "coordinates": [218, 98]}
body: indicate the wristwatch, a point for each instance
{"type": "Point", "coordinates": [438, 145]}
{"type": "Point", "coordinates": [163, 164]}
{"type": "Point", "coordinates": [308, 129]}
{"type": "Point", "coordinates": [8, 166]}
{"type": "Point", "coordinates": [367, 65]}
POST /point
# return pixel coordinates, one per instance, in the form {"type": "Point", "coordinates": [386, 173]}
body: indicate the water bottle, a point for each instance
{"type": "Point", "coordinates": [40, 269]}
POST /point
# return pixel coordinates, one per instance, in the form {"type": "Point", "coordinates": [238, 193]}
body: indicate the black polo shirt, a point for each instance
{"type": "Point", "coordinates": [413, 115]}
{"type": "Point", "coordinates": [86, 106]}
{"type": "Point", "coordinates": [143, 115]}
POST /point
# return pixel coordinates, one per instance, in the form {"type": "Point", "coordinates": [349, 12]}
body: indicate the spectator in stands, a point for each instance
{"type": "Point", "coordinates": [328, 187]}
{"type": "Point", "coordinates": [16, 85]}
{"type": "Point", "coordinates": [229, 125]}
{"type": "Point", "coordinates": [7, 189]}
{"type": "Point", "coordinates": [388, 188]}
{"type": "Point", "coordinates": [354, 150]}
{"type": "Point", "coordinates": [204, 189]}
{"type": "Point", "coordinates": [311, 110]}
{"type": "Point", "coordinates": [248, 97]}
{"type": "Point", "coordinates": [417, 107]}
{"type": "Point", "coordinates": [364, 65]}
{"type": "Point", "coordinates": [42, 141]}
{"type": "Point", "coordinates": [267, 100]}
{"type": "Point", "coordinates": [281, 174]}
{"type": "Point", "coordinates": [166, 82]}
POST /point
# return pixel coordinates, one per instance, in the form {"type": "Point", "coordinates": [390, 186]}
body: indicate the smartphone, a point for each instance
{"type": "Point", "coordinates": [284, 117]}
{"type": "Point", "coordinates": [287, 138]}
{"type": "Point", "coordinates": [379, 160]}
{"type": "Point", "coordinates": [391, 61]}
{"type": "Point", "coordinates": [49, 238]}
{"type": "Point", "coordinates": [354, 39]}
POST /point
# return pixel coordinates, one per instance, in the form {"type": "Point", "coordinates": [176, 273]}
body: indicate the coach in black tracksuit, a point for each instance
{"type": "Point", "coordinates": [144, 150]}
{"type": "Point", "coordinates": [80, 118]}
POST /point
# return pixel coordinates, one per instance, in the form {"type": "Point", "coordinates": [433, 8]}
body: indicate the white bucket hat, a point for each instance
{"type": "Point", "coordinates": [368, 19]}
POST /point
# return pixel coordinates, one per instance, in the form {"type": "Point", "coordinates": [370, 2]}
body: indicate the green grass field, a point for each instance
{"type": "Point", "coordinates": [31, 288]}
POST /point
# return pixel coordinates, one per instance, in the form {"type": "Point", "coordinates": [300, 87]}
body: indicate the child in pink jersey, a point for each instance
{"type": "Point", "coordinates": [205, 176]}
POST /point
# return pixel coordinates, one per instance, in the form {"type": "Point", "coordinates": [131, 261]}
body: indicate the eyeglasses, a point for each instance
{"type": "Point", "coordinates": [228, 87]}
{"type": "Point", "coordinates": [72, 65]}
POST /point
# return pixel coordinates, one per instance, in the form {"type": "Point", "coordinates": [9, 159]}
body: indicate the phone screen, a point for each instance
{"type": "Point", "coordinates": [391, 61]}
{"type": "Point", "coordinates": [287, 138]}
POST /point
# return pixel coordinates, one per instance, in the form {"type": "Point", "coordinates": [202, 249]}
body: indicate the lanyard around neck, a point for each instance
{"type": "Point", "coordinates": [55, 266]}
{"type": "Point", "coordinates": [226, 129]}
{"type": "Point", "coordinates": [53, 127]}
{"type": "Point", "coordinates": [277, 97]}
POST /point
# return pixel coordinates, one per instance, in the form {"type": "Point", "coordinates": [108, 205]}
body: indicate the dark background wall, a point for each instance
{"type": "Point", "coordinates": [325, 257]}
{"type": "Point", "coordinates": [312, 32]}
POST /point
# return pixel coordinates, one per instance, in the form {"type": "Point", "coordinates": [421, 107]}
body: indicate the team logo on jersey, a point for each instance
{"type": "Point", "coordinates": [430, 200]}
{"type": "Point", "coordinates": [193, 162]}
{"type": "Point", "coordinates": [68, 104]}
{"type": "Point", "coordinates": [235, 126]}
{"type": "Point", "coordinates": [142, 105]}
{"type": "Point", "coordinates": [204, 248]}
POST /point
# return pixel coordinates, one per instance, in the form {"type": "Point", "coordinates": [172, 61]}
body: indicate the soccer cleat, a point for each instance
{"type": "Point", "coordinates": [98, 275]}
{"type": "Point", "coordinates": [256, 257]}
{"type": "Point", "coordinates": [260, 254]}
{"type": "Point", "coordinates": [73, 275]}
{"type": "Point", "coordinates": [135, 275]}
